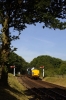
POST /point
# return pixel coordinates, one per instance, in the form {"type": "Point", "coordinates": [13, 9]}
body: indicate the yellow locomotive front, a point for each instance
{"type": "Point", "coordinates": [35, 73]}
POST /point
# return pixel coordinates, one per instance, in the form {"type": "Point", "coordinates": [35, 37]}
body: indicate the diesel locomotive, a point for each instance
{"type": "Point", "coordinates": [33, 73]}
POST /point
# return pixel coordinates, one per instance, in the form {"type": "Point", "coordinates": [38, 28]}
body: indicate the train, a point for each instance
{"type": "Point", "coordinates": [33, 73]}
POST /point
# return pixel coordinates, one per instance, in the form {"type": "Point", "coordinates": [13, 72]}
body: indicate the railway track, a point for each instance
{"type": "Point", "coordinates": [43, 90]}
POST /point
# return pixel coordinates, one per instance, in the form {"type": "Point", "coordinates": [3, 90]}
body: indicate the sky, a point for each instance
{"type": "Point", "coordinates": [35, 41]}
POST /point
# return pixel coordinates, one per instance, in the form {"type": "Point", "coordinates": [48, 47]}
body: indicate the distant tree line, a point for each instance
{"type": "Point", "coordinates": [53, 66]}
{"type": "Point", "coordinates": [17, 61]}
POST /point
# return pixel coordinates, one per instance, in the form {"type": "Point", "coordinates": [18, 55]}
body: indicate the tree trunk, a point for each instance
{"type": "Point", "coordinates": [5, 51]}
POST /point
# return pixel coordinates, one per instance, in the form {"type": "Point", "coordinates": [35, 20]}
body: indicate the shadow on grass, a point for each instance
{"type": "Point", "coordinates": [5, 92]}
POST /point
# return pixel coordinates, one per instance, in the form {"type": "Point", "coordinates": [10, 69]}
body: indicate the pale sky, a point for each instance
{"type": "Point", "coordinates": [35, 41]}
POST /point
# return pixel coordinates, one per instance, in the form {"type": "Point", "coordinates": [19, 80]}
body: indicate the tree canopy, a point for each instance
{"type": "Point", "coordinates": [22, 12]}
{"type": "Point", "coordinates": [18, 62]}
{"type": "Point", "coordinates": [19, 13]}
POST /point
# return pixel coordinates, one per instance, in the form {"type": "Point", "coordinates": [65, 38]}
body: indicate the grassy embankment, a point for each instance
{"type": "Point", "coordinates": [15, 91]}
{"type": "Point", "coordinates": [56, 80]}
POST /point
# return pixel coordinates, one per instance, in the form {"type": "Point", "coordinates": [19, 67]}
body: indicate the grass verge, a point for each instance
{"type": "Point", "coordinates": [15, 90]}
{"type": "Point", "coordinates": [56, 80]}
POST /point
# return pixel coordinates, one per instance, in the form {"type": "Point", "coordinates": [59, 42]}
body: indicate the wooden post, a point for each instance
{"type": "Point", "coordinates": [14, 70]}
{"type": "Point", "coordinates": [43, 72]}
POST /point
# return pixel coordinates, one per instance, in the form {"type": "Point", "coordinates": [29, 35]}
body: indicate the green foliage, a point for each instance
{"type": "Point", "coordinates": [24, 68]}
{"type": "Point", "coordinates": [62, 69]}
{"type": "Point", "coordinates": [18, 61]}
{"type": "Point", "coordinates": [47, 61]}
{"type": "Point", "coordinates": [51, 64]}
{"type": "Point", "coordinates": [31, 11]}
{"type": "Point", "coordinates": [49, 72]}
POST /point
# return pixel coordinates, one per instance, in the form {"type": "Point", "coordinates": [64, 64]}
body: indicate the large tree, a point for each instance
{"type": "Point", "coordinates": [19, 13]}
